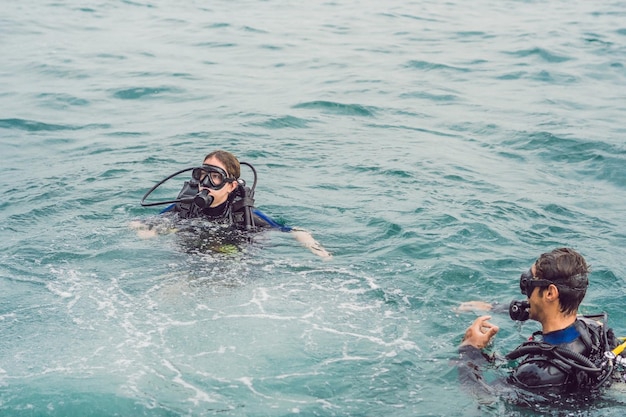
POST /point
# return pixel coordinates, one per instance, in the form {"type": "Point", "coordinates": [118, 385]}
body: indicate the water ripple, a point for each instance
{"type": "Point", "coordinates": [338, 108]}
{"type": "Point", "coordinates": [34, 126]}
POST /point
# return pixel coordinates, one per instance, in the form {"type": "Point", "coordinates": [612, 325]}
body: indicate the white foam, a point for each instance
{"type": "Point", "coordinates": [200, 396]}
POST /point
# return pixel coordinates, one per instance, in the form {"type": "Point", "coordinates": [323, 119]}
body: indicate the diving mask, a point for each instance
{"type": "Point", "coordinates": [211, 176]}
{"type": "Point", "coordinates": [527, 282]}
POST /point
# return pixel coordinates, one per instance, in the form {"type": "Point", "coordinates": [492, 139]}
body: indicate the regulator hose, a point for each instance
{"type": "Point", "coordinates": [576, 360]}
{"type": "Point", "coordinates": [159, 203]}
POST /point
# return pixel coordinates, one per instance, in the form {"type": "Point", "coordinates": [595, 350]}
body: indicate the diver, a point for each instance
{"type": "Point", "coordinates": [570, 354]}
{"type": "Point", "coordinates": [215, 192]}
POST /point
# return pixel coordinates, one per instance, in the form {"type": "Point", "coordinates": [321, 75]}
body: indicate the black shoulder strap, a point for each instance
{"type": "Point", "coordinates": [587, 336]}
{"type": "Point", "coordinates": [243, 202]}
{"type": "Point", "coordinates": [594, 333]}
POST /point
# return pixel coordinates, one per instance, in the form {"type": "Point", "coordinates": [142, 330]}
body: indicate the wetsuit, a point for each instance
{"type": "Point", "coordinates": [541, 370]}
{"type": "Point", "coordinates": [238, 211]}
{"type": "Point", "coordinates": [224, 213]}
{"type": "Point", "coordinates": [226, 229]}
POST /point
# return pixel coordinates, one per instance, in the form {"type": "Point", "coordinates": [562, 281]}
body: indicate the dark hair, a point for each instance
{"type": "Point", "coordinates": [568, 270]}
{"type": "Point", "coordinates": [229, 160]}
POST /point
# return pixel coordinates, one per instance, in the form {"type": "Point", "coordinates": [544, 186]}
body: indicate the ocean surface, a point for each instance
{"type": "Point", "coordinates": [435, 148]}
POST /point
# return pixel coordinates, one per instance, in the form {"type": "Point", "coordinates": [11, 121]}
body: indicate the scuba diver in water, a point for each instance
{"type": "Point", "coordinates": [570, 354]}
{"type": "Point", "coordinates": [216, 193]}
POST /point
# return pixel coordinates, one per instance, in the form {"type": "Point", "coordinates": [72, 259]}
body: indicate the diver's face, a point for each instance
{"type": "Point", "coordinates": [535, 300]}
{"type": "Point", "coordinates": [221, 195]}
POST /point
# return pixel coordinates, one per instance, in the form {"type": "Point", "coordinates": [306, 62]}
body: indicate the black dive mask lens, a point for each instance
{"type": "Point", "coordinates": [524, 281]}
{"type": "Point", "coordinates": [210, 176]}
{"type": "Point", "coordinates": [527, 282]}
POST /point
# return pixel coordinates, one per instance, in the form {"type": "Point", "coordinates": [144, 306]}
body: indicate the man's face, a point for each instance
{"type": "Point", "coordinates": [535, 300]}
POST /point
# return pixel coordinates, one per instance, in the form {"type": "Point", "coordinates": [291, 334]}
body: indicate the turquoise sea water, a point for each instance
{"type": "Point", "coordinates": [435, 148]}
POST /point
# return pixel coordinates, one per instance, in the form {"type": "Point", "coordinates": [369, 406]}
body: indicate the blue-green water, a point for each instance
{"type": "Point", "coordinates": [435, 148]}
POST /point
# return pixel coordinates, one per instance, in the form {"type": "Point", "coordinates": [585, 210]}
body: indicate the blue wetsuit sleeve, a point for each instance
{"type": "Point", "coordinates": [271, 221]}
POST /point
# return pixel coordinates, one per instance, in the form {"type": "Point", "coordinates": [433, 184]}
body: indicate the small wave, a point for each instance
{"type": "Point", "coordinates": [216, 44]}
{"type": "Point", "coordinates": [433, 66]}
{"type": "Point", "coordinates": [136, 93]}
{"type": "Point", "coordinates": [393, 173]}
{"type": "Point", "coordinates": [515, 75]}
{"type": "Point", "coordinates": [337, 108]}
{"type": "Point", "coordinates": [541, 53]}
{"type": "Point", "coordinates": [33, 125]}
{"type": "Point", "coordinates": [62, 101]}
{"type": "Point", "coordinates": [553, 77]}
{"type": "Point", "coordinates": [430, 96]}
{"type": "Point", "coordinates": [285, 122]}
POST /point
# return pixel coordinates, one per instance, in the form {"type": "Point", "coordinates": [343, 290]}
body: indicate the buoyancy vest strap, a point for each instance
{"type": "Point", "coordinates": [580, 362]}
{"type": "Point", "coordinates": [243, 202]}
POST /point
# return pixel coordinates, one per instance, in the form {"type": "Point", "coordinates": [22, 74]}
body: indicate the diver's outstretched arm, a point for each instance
{"type": "Point", "coordinates": [307, 240]}
{"type": "Point", "coordinates": [474, 305]}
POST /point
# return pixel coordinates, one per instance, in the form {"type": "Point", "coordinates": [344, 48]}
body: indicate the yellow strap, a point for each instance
{"type": "Point", "coordinates": [619, 349]}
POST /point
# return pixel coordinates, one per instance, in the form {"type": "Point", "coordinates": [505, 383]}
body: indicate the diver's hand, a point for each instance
{"type": "Point", "coordinates": [480, 333]}
{"type": "Point", "coordinates": [306, 239]}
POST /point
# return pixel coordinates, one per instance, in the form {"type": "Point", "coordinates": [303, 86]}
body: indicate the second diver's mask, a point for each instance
{"type": "Point", "coordinates": [206, 177]}
{"type": "Point", "coordinates": [211, 176]}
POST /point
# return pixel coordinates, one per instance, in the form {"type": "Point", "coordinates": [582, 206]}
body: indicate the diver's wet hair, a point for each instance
{"type": "Point", "coordinates": [568, 270]}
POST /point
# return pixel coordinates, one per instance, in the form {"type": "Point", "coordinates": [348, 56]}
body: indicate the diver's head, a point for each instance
{"type": "Point", "coordinates": [568, 270]}
{"type": "Point", "coordinates": [217, 178]}
{"type": "Point", "coordinates": [557, 279]}
{"type": "Point", "coordinates": [227, 161]}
